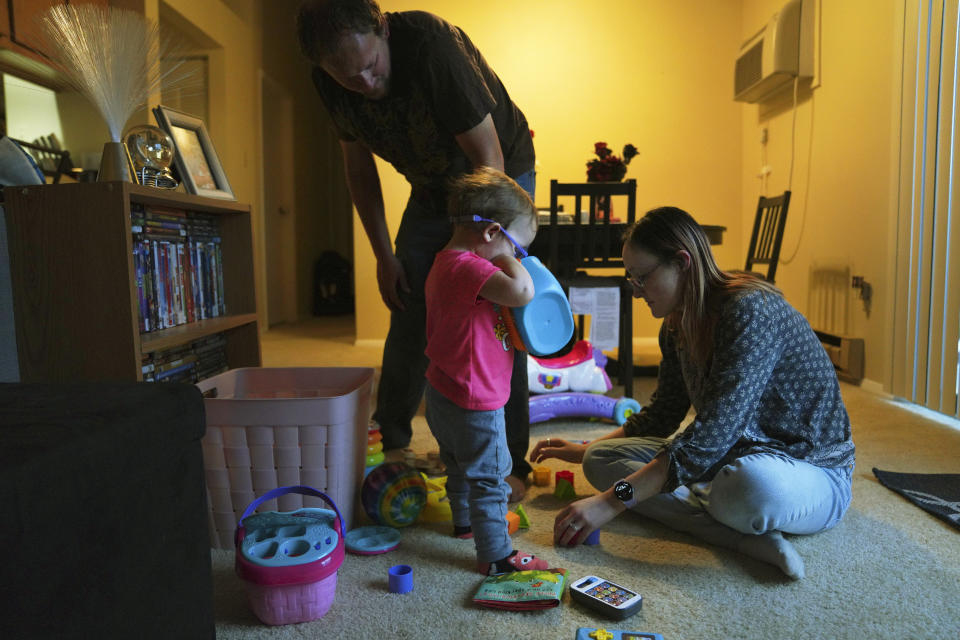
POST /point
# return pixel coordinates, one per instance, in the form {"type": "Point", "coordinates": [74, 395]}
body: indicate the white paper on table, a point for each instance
{"type": "Point", "coordinates": [602, 304]}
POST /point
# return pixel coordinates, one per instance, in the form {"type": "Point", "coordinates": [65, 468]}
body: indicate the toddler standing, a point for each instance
{"type": "Point", "coordinates": [473, 278]}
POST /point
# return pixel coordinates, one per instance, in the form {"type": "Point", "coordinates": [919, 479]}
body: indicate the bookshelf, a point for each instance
{"type": "Point", "coordinates": [75, 293]}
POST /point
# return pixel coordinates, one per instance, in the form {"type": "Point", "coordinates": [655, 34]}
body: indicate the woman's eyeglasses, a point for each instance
{"type": "Point", "coordinates": [519, 252]}
{"type": "Point", "coordinates": [639, 281]}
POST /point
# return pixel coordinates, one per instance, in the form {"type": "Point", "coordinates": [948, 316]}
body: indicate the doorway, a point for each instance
{"type": "Point", "coordinates": [279, 214]}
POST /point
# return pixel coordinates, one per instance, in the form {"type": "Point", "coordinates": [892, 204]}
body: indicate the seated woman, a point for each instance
{"type": "Point", "coordinates": [769, 450]}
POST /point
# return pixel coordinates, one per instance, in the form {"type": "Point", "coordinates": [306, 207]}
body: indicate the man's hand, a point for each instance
{"type": "Point", "coordinates": [391, 278]}
{"type": "Point", "coordinates": [364, 184]}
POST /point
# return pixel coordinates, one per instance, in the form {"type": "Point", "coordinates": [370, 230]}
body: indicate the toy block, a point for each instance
{"type": "Point", "coordinates": [524, 520]}
{"type": "Point", "coordinates": [564, 475]}
{"type": "Point", "coordinates": [513, 522]}
{"type": "Point", "coordinates": [564, 490]}
{"type": "Point", "coordinates": [541, 476]}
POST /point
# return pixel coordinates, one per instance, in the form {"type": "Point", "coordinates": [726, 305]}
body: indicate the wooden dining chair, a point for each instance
{"type": "Point", "coordinates": [767, 236]}
{"type": "Point", "coordinates": [590, 238]}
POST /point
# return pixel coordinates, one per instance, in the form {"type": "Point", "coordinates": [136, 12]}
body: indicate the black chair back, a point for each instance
{"type": "Point", "coordinates": [595, 237]}
{"type": "Point", "coordinates": [768, 226]}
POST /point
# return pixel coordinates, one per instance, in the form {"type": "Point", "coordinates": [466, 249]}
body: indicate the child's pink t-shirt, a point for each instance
{"type": "Point", "coordinates": [471, 356]}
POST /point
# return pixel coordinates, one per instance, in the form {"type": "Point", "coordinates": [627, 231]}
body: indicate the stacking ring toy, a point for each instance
{"type": "Point", "coordinates": [393, 494]}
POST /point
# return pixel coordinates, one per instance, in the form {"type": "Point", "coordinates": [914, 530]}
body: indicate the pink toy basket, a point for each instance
{"type": "Point", "coordinates": [289, 560]}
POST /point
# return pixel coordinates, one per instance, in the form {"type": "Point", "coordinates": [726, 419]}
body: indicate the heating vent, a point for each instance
{"type": "Point", "coordinates": [846, 355]}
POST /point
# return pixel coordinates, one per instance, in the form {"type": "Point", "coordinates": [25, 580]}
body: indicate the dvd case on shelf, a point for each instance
{"type": "Point", "coordinates": [179, 266]}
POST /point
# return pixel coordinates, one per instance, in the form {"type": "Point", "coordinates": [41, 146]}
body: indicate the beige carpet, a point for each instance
{"type": "Point", "coordinates": [889, 570]}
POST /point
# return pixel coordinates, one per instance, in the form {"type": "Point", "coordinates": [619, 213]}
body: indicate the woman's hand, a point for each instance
{"type": "Point", "coordinates": [557, 448]}
{"type": "Point", "coordinates": [579, 519]}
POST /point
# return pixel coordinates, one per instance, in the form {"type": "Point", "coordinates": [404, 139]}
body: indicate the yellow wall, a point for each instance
{"type": "Point", "coordinates": [656, 74]}
{"type": "Point", "coordinates": [843, 207]}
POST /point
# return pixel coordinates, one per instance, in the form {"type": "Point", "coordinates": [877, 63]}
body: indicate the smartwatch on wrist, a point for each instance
{"type": "Point", "coordinates": [623, 490]}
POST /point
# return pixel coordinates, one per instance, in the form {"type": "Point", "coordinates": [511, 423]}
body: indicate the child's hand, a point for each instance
{"type": "Point", "coordinates": [512, 286]}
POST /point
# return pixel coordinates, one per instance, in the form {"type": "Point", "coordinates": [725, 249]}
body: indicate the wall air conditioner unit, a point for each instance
{"type": "Point", "coordinates": [780, 51]}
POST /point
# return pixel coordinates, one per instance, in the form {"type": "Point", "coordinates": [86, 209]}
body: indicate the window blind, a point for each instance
{"type": "Point", "coordinates": [927, 287]}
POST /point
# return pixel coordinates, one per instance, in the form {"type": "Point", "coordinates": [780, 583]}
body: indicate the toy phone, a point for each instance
{"type": "Point", "coordinates": [606, 597]}
{"type": "Point", "coordinates": [589, 633]}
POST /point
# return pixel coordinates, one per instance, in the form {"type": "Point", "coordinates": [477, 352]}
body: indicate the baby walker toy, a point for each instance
{"type": "Point", "coordinates": [544, 326]}
{"type": "Point", "coordinates": [582, 369]}
{"type": "Point", "coordinates": [289, 560]}
{"type": "Point", "coordinates": [572, 385]}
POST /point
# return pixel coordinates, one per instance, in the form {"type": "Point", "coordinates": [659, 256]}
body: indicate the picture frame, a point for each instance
{"type": "Point", "coordinates": [196, 159]}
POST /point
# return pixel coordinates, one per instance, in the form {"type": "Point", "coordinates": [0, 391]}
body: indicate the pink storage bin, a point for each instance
{"type": "Point", "coordinates": [315, 421]}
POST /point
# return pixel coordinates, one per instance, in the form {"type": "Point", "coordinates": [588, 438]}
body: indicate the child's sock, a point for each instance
{"type": "Point", "coordinates": [516, 561]}
{"type": "Point", "coordinates": [464, 533]}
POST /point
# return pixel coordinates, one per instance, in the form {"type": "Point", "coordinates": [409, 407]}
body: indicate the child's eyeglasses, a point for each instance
{"type": "Point", "coordinates": [519, 251]}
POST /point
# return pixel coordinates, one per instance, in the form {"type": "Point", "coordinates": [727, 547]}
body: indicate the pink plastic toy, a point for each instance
{"type": "Point", "coordinates": [289, 568]}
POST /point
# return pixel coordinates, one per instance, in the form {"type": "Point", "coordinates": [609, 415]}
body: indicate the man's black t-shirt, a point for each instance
{"type": "Point", "coordinates": [440, 87]}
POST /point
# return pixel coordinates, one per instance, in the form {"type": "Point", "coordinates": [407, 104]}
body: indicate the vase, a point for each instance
{"type": "Point", "coordinates": [600, 203]}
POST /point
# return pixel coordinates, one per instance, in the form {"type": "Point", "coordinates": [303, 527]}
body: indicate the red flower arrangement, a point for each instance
{"type": "Point", "coordinates": [607, 167]}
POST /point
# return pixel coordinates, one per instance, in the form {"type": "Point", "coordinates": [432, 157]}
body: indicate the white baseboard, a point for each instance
{"type": "Point", "coordinates": [874, 387]}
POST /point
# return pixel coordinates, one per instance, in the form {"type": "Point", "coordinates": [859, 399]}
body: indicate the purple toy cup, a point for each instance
{"type": "Point", "coordinates": [401, 578]}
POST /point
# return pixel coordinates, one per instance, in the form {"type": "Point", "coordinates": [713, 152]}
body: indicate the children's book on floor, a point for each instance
{"type": "Point", "coordinates": [522, 590]}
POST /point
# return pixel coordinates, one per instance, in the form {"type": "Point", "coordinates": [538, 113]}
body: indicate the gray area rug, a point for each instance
{"type": "Point", "coordinates": [937, 493]}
